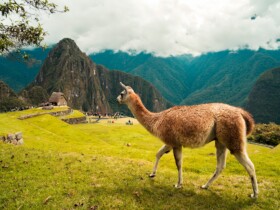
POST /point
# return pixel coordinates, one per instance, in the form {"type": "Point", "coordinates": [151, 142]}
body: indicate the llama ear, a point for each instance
{"type": "Point", "coordinates": [123, 85]}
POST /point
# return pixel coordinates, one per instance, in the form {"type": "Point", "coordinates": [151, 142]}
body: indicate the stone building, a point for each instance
{"type": "Point", "coordinates": [58, 99]}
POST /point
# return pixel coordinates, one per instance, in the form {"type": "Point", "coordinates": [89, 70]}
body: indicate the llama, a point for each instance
{"type": "Point", "coordinates": [195, 126]}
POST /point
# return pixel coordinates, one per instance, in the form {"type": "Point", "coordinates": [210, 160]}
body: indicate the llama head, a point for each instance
{"type": "Point", "coordinates": [125, 94]}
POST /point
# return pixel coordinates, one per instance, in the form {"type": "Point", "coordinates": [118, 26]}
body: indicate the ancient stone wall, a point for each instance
{"type": "Point", "coordinates": [56, 114]}
{"type": "Point", "coordinates": [13, 138]}
{"type": "Point", "coordinates": [77, 120]}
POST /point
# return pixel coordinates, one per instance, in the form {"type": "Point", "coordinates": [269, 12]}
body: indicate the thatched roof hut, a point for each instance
{"type": "Point", "coordinates": [58, 99]}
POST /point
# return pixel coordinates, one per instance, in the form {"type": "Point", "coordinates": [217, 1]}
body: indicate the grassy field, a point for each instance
{"type": "Point", "coordinates": [73, 114]}
{"type": "Point", "coordinates": [106, 166]}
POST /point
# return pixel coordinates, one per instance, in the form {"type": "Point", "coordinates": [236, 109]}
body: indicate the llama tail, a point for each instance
{"type": "Point", "coordinates": [250, 123]}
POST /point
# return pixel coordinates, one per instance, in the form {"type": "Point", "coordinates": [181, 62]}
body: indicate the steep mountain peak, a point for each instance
{"type": "Point", "coordinates": [88, 86]}
{"type": "Point", "coordinates": [67, 40]}
{"type": "Point", "coordinates": [65, 49]}
{"type": "Point", "coordinates": [65, 61]}
{"type": "Point", "coordinates": [67, 43]}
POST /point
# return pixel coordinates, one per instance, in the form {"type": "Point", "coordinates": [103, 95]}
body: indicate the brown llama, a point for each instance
{"type": "Point", "coordinates": [195, 126]}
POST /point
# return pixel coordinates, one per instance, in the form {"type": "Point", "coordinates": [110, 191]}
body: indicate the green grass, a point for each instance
{"type": "Point", "coordinates": [63, 166]}
{"type": "Point", "coordinates": [74, 114]}
{"type": "Point", "coordinates": [9, 122]}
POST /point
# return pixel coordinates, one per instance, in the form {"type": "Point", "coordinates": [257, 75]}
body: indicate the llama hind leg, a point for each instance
{"type": "Point", "coordinates": [221, 163]}
{"type": "Point", "coordinates": [243, 158]}
{"type": "Point", "coordinates": [177, 151]}
{"type": "Point", "coordinates": [164, 149]}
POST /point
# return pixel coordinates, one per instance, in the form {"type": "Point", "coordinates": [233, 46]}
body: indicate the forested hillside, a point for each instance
{"type": "Point", "coordinates": [224, 76]}
{"type": "Point", "coordinates": [228, 76]}
{"type": "Point", "coordinates": [167, 74]}
{"type": "Point", "coordinates": [18, 73]}
{"type": "Point", "coordinates": [264, 99]}
{"type": "Point", "coordinates": [8, 98]}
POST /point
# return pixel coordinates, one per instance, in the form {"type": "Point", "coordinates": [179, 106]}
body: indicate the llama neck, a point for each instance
{"type": "Point", "coordinates": [143, 115]}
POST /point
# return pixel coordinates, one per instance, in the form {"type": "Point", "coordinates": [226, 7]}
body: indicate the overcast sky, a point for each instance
{"type": "Point", "coordinates": [167, 27]}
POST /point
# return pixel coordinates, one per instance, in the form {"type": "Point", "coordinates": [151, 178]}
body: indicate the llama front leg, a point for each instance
{"type": "Point", "coordinates": [164, 149]}
{"type": "Point", "coordinates": [177, 151]}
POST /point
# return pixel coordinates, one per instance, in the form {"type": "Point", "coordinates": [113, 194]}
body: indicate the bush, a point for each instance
{"type": "Point", "coordinates": [35, 96]}
{"type": "Point", "coordinates": [266, 134]}
{"type": "Point", "coordinates": [10, 103]}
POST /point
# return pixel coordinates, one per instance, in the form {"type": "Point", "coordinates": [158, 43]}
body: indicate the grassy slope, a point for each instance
{"type": "Point", "coordinates": [74, 114]}
{"type": "Point", "coordinates": [63, 166]}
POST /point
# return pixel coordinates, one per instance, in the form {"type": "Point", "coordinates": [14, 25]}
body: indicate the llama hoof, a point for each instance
{"type": "Point", "coordinates": [178, 186]}
{"type": "Point", "coordinates": [152, 175]}
{"type": "Point", "coordinates": [204, 187]}
{"type": "Point", "coordinates": [254, 196]}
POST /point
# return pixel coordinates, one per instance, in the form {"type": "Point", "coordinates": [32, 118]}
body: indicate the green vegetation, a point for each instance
{"type": "Point", "coordinates": [212, 77]}
{"type": "Point", "coordinates": [264, 98]}
{"type": "Point", "coordinates": [7, 104]}
{"type": "Point", "coordinates": [98, 87]}
{"type": "Point", "coordinates": [266, 134]}
{"type": "Point", "coordinates": [74, 114]}
{"type": "Point", "coordinates": [9, 122]}
{"type": "Point", "coordinates": [17, 26]}
{"type": "Point", "coordinates": [221, 76]}
{"type": "Point", "coordinates": [19, 74]}
{"type": "Point", "coordinates": [9, 99]}
{"type": "Point", "coordinates": [105, 166]}
{"type": "Point", "coordinates": [36, 95]}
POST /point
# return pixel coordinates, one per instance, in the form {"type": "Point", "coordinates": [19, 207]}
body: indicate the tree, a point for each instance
{"type": "Point", "coordinates": [20, 23]}
{"type": "Point", "coordinates": [35, 96]}
{"type": "Point", "coordinates": [9, 103]}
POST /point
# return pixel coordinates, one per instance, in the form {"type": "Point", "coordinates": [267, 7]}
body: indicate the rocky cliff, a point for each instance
{"type": "Point", "coordinates": [88, 86]}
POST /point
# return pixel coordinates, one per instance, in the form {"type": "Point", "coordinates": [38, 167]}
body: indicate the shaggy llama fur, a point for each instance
{"type": "Point", "coordinates": [195, 126]}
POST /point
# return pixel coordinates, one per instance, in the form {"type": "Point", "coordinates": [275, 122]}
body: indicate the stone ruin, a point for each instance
{"type": "Point", "coordinates": [13, 138]}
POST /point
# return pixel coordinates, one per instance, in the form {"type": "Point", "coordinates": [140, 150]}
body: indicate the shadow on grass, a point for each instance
{"type": "Point", "coordinates": [154, 196]}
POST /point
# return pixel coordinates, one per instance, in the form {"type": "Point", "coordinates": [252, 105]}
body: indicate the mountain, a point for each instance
{"type": "Point", "coordinates": [224, 76]}
{"type": "Point", "coordinates": [228, 76]}
{"type": "Point", "coordinates": [88, 86]}
{"type": "Point", "coordinates": [167, 74]}
{"type": "Point", "coordinates": [120, 60]}
{"type": "Point", "coordinates": [6, 91]}
{"type": "Point", "coordinates": [8, 98]}
{"type": "Point", "coordinates": [264, 99]}
{"type": "Point", "coordinates": [18, 73]}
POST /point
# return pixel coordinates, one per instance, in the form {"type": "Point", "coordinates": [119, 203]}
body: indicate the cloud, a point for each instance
{"type": "Point", "coordinates": [167, 27]}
